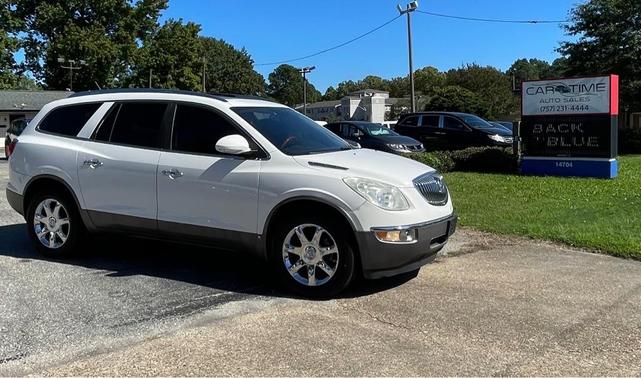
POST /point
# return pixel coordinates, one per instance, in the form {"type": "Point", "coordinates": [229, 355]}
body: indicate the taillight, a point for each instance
{"type": "Point", "coordinates": [12, 146]}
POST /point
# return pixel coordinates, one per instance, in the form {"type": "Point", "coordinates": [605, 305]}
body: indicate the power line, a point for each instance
{"type": "Point", "coordinates": [495, 19]}
{"type": "Point", "coordinates": [331, 48]}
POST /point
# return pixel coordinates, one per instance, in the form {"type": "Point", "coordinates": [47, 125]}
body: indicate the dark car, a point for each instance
{"type": "Point", "coordinates": [14, 130]}
{"type": "Point", "coordinates": [451, 131]}
{"type": "Point", "coordinates": [507, 125]}
{"type": "Point", "coordinates": [375, 136]}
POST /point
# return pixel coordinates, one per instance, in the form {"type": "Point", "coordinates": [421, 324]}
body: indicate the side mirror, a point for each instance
{"type": "Point", "coordinates": [354, 145]}
{"type": "Point", "coordinates": [233, 145]}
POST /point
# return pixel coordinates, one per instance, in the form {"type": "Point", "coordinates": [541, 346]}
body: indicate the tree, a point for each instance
{"type": "Point", "coordinates": [286, 86]}
{"type": "Point", "coordinates": [493, 88]}
{"type": "Point", "coordinates": [529, 69]}
{"type": "Point", "coordinates": [428, 80]}
{"type": "Point", "coordinates": [172, 56]}
{"type": "Point", "coordinates": [456, 99]}
{"type": "Point", "coordinates": [104, 34]}
{"type": "Point", "coordinates": [10, 25]}
{"type": "Point", "coordinates": [229, 70]}
{"type": "Point", "coordinates": [608, 40]}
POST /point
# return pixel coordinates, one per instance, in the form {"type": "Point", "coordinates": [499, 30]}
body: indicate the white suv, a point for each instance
{"type": "Point", "coordinates": [229, 171]}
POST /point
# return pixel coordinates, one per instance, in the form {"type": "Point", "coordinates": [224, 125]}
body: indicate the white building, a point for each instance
{"type": "Point", "coordinates": [365, 105]}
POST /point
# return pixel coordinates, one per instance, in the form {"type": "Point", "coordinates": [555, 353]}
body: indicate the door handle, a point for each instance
{"type": "Point", "coordinates": [93, 163]}
{"type": "Point", "coordinates": [439, 133]}
{"type": "Point", "coordinates": [172, 173]}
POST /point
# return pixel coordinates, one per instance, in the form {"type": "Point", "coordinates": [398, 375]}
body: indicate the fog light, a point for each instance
{"type": "Point", "coordinates": [396, 236]}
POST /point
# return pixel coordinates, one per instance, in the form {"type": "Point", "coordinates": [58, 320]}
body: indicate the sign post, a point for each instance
{"type": "Point", "coordinates": [569, 127]}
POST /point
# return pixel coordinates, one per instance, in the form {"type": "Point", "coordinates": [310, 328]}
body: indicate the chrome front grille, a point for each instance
{"type": "Point", "coordinates": [433, 188]}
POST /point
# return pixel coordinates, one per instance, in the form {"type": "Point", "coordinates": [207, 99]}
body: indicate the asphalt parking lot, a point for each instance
{"type": "Point", "coordinates": [492, 306]}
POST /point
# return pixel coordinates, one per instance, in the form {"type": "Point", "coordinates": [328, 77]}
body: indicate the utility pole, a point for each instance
{"type": "Point", "coordinates": [411, 7]}
{"type": "Point", "coordinates": [71, 68]}
{"type": "Point", "coordinates": [204, 66]}
{"type": "Point", "coordinates": [151, 71]}
{"type": "Point", "coordinates": [305, 71]}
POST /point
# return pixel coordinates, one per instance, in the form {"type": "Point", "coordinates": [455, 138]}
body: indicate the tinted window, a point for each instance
{"type": "Point", "coordinates": [476, 121]}
{"type": "Point", "coordinates": [198, 129]}
{"type": "Point", "coordinates": [68, 120]}
{"type": "Point", "coordinates": [410, 121]}
{"type": "Point", "coordinates": [106, 125]}
{"type": "Point", "coordinates": [348, 130]}
{"type": "Point", "coordinates": [139, 124]}
{"type": "Point", "coordinates": [376, 129]}
{"type": "Point", "coordinates": [290, 131]}
{"type": "Point", "coordinates": [453, 124]}
{"type": "Point", "coordinates": [430, 120]}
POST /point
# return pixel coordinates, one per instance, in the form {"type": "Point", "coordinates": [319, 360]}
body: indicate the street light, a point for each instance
{"type": "Point", "coordinates": [305, 71]}
{"type": "Point", "coordinates": [71, 68]}
{"type": "Point", "coordinates": [411, 7]}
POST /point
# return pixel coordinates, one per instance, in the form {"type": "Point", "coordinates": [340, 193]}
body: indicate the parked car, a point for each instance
{"type": "Point", "coordinates": [14, 130]}
{"type": "Point", "coordinates": [507, 125]}
{"type": "Point", "coordinates": [375, 136]}
{"type": "Point", "coordinates": [238, 173]}
{"type": "Point", "coordinates": [450, 130]}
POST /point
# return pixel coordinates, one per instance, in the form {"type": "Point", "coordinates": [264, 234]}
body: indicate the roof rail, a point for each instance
{"type": "Point", "coordinates": [145, 90]}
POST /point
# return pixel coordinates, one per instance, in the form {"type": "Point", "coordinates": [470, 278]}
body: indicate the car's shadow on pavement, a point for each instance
{"type": "Point", "coordinates": [122, 256]}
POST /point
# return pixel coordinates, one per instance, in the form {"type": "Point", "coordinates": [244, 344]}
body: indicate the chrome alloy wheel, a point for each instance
{"type": "Point", "coordinates": [51, 223]}
{"type": "Point", "coordinates": [310, 254]}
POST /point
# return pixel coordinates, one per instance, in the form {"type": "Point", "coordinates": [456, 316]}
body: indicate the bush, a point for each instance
{"type": "Point", "coordinates": [629, 141]}
{"type": "Point", "coordinates": [473, 159]}
{"type": "Point", "coordinates": [439, 160]}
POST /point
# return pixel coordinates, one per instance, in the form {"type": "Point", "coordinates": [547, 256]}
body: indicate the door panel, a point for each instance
{"type": "Point", "coordinates": [118, 180]}
{"type": "Point", "coordinates": [207, 191]}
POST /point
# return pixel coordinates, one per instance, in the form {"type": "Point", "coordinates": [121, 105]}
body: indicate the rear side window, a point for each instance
{"type": "Point", "coordinates": [410, 121]}
{"type": "Point", "coordinates": [197, 130]}
{"type": "Point", "coordinates": [430, 121]}
{"type": "Point", "coordinates": [135, 124]}
{"type": "Point", "coordinates": [68, 120]}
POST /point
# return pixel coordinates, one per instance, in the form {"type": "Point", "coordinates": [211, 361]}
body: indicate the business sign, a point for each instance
{"type": "Point", "coordinates": [592, 95]}
{"type": "Point", "coordinates": [565, 121]}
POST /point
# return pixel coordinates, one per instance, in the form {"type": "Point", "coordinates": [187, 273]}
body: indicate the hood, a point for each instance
{"type": "Point", "coordinates": [382, 166]}
{"type": "Point", "coordinates": [495, 130]}
{"type": "Point", "coordinates": [396, 139]}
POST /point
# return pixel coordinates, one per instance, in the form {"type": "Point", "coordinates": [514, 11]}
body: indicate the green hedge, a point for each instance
{"type": "Point", "coordinates": [473, 159]}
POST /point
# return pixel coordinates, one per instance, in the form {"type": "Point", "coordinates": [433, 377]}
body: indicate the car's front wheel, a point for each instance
{"type": "Point", "coordinates": [54, 225]}
{"type": "Point", "coordinates": [313, 256]}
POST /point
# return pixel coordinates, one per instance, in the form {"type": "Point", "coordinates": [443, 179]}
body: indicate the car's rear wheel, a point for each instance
{"type": "Point", "coordinates": [54, 224]}
{"type": "Point", "coordinates": [312, 255]}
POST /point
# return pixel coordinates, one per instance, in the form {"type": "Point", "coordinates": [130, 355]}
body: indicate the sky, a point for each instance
{"type": "Point", "coordinates": [276, 30]}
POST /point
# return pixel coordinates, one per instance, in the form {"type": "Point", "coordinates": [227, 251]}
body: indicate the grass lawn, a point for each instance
{"type": "Point", "coordinates": [599, 214]}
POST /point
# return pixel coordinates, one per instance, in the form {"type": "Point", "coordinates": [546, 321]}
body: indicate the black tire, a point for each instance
{"type": "Point", "coordinates": [345, 264]}
{"type": "Point", "coordinates": [75, 230]}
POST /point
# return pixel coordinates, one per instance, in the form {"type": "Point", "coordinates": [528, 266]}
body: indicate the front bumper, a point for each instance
{"type": "Point", "coordinates": [382, 259]}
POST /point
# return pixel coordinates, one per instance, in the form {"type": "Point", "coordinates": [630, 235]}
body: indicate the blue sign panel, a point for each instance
{"type": "Point", "coordinates": [586, 167]}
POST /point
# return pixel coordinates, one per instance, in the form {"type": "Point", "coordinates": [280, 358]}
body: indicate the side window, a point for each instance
{"type": "Point", "coordinates": [410, 121]}
{"type": "Point", "coordinates": [430, 121]}
{"type": "Point", "coordinates": [197, 130]}
{"type": "Point", "coordinates": [103, 131]}
{"type": "Point", "coordinates": [452, 123]}
{"type": "Point", "coordinates": [333, 128]}
{"type": "Point", "coordinates": [68, 120]}
{"type": "Point", "coordinates": [137, 124]}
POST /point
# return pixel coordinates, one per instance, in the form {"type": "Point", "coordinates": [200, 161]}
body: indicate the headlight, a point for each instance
{"type": "Point", "coordinates": [397, 147]}
{"type": "Point", "coordinates": [500, 139]}
{"type": "Point", "coordinates": [385, 196]}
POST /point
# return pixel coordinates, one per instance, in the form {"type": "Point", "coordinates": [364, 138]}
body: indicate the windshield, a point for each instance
{"type": "Point", "coordinates": [476, 122]}
{"type": "Point", "coordinates": [375, 129]}
{"type": "Point", "coordinates": [290, 131]}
